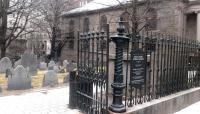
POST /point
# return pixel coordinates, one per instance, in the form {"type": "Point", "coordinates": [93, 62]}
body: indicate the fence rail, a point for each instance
{"type": "Point", "coordinates": [172, 64]}
{"type": "Point", "coordinates": [157, 65]}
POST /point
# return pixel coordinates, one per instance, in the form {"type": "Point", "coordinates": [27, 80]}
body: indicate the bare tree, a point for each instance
{"type": "Point", "coordinates": [138, 14]}
{"type": "Point", "coordinates": [50, 11]}
{"type": "Point", "coordinates": [15, 15]}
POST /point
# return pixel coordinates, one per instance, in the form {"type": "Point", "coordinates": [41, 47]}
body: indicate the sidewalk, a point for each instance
{"type": "Point", "coordinates": [44, 101]}
{"type": "Point", "coordinates": [192, 109]}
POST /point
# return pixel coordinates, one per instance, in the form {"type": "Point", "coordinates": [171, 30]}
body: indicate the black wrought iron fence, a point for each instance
{"type": "Point", "coordinates": [157, 65]}
{"type": "Point", "coordinates": [161, 65]}
{"type": "Point", "coordinates": [92, 79]}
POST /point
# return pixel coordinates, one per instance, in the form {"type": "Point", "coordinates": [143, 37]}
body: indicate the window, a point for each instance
{"type": "Point", "coordinates": [71, 44]}
{"type": "Point", "coordinates": [126, 17]}
{"type": "Point", "coordinates": [151, 19]}
{"type": "Point", "coordinates": [71, 28]}
{"type": "Point", "coordinates": [103, 23]}
{"type": "Point", "coordinates": [86, 25]}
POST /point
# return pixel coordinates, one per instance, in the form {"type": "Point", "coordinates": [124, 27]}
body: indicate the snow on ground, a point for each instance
{"type": "Point", "coordinates": [193, 109]}
{"type": "Point", "coordinates": [43, 101]}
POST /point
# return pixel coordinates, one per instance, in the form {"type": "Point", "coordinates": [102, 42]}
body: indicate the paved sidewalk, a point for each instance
{"type": "Point", "coordinates": [192, 109]}
{"type": "Point", "coordinates": [42, 101]}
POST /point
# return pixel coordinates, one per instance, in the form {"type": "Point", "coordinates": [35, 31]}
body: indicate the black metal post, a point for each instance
{"type": "Point", "coordinates": [72, 88]}
{"type": "Point", "coordinates": [118, 85]}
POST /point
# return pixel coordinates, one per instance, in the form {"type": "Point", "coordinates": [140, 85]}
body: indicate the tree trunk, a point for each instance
{"type": "Point", "coordinates": [3, 26]}
{"type": "Point", "coordinates": [53, 44]}
{"type": "Point", "coordinates": [3, 50]}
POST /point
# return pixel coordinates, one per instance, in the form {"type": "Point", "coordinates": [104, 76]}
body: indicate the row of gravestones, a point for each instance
{"type": "Point", "coordinates": [19, 78]}
{"type": "Point", "coordinates": [53, 66]}
{"type": "Point", "coordinates": [28, 60]}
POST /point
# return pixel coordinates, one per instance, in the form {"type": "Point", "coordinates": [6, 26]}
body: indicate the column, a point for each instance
{"type": "Point", "coordinates": [198, 26]}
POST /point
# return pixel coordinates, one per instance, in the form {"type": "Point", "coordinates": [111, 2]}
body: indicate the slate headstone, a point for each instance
{"type": "Point", "coordinates": [30, 60]}
{"type": "Point", "coordinates": [19, 80]}
{"type": "Point", "coordinates": [71, 66]}
{"type": "Point", "coordinates": [65, 63]}
{"type": "Point", "coordinates": [51, 64]}
{"type": "Point", "coordinates": [5, 64]}
{"type": "Point", "coordinates": [43, 66]}
{"type": "Point", "coordinates": [56, 69]}
{"type": "Point", "coordinates": [50, 78]}
{"type": "Point", "coordinates": [17, 63]}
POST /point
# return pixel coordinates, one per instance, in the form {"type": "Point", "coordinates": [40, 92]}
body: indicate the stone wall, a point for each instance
{"type": "Point", "coordinates": [167, 105]}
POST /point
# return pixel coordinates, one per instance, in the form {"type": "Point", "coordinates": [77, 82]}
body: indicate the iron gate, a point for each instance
{"type": "Point", "coordinates": [92, 78]}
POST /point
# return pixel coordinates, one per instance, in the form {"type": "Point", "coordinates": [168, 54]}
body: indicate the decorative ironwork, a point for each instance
{"type": "Point", "coordinates": [118, 85]}
{"type": "Point", "coordinates": [172, 65]}
{"type": "Point", "coordinates": [157, 65]}
{"type": "Point", "coordinates": [92, 89]}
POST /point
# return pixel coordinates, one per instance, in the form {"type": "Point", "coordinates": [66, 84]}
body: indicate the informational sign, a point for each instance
{"type": "Point", "coordinates": [138, 68]}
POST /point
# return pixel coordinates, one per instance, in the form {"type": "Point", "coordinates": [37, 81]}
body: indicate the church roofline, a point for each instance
{"type": "Point", "coordinates": [110, 8]}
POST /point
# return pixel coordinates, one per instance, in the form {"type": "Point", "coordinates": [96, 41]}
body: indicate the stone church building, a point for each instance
{"type": "Point", "coordinates": [176, 17]}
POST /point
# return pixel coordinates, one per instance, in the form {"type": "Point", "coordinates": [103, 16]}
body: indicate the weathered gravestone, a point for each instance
{"type": "Point", "coordinates": [43, 66]}
{"type": "Point", "coordinates": [51, 64]}
{"type": "Point", "coordinates": [18, 62]}
{"type": "Point", "coordinates": [5, 64]}
{"type": "Point", "coordinates": [29, 60]}
{"type": "Point", "coordinates": [19, 79]}
{"type": "Point", "coordinates": [65, 63]}
{"type": "Point", "coordinates": [71, 66]}
{"type": "Point", "coordinates": [56, 69]}
{"type": "Point", "coordinates": [50, 78]}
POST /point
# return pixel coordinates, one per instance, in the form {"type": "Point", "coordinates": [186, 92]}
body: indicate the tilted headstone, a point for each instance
{"type": "Point", "coordinates": [71, 66]}
{"type": "Point", "coordinates": [30, 60]}
{"type": "Point", "coordinates": [43, 66]}
{"type": "Point", "coordinates": [5, 64]}
{"type": "Point", "coordinates": [50, 78]}
{"type": "Point", "coordinates": [17, 63]}
{"type": "Point", "coordinates": [65, 63]}
{"type": "Point", "coordinates": [56, 69]}
{"type": "Point", "coordinates": [51, 64]}
{"type": "Point", "coordinates": [19, 79]}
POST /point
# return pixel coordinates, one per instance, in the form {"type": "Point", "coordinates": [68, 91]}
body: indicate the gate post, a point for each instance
{"type": "Point", "coordinates": [72, 89]}
{"type": "Point", "coordinates": [120, 39]}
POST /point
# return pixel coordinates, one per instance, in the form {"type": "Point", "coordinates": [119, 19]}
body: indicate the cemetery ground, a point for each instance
{"type": "Point", "coordinates": [36, 83]}
{"type": "Point", "coordinates": [38, 99]}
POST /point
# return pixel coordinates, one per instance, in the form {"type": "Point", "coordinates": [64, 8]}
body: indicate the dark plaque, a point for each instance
{"type": "Point", "coordinates": [138, 68]}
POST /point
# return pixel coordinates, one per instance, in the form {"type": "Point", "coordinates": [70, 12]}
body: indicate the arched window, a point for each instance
{"type": "Point", "coordinates": [151, 19]}
{"type": "Point", "coordinates": [71, 44]}
{"type": "Point", "coordinates": [71, 28]}
{"type": "Point", "coordinates": [103, 23]}
{"type": "Point", "coordinates": [126, 18]}
{"type": "Point", "coordinates": [86, 24]}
